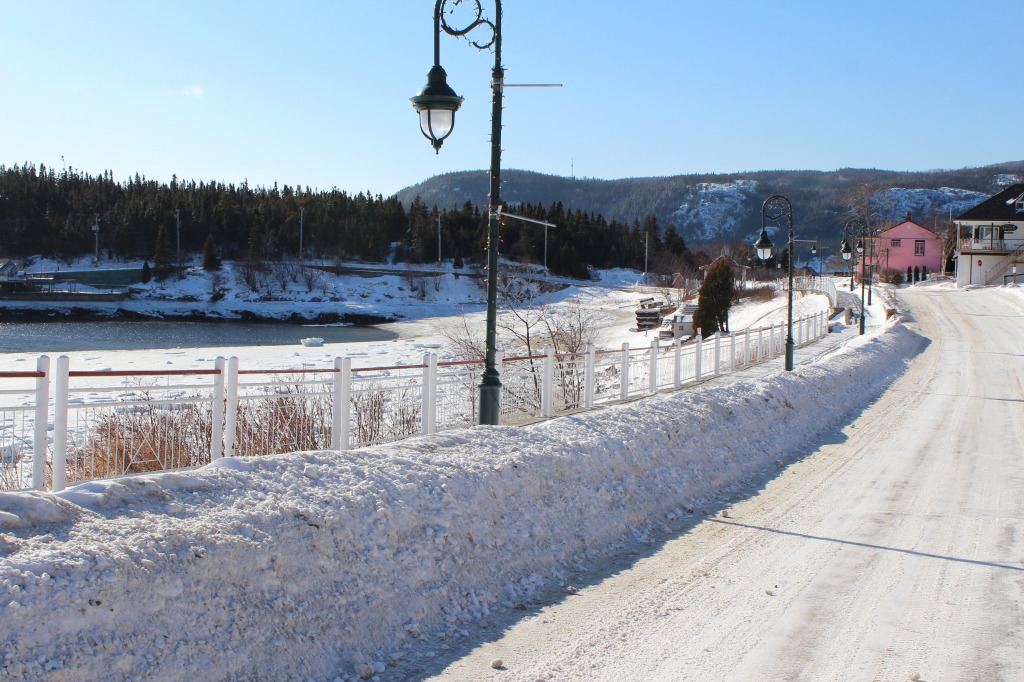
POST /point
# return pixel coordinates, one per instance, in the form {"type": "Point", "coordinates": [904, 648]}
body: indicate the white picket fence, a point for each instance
{"type": "Point", "coordinates": [107, 422]}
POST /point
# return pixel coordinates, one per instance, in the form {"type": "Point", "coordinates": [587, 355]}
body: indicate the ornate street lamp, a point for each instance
{"type": "Point", "coordinates": [437, 104]}
{"type": "Point", "coordinates": [763, 245]}
{"type": "Point", "coordinates": [777, 208]}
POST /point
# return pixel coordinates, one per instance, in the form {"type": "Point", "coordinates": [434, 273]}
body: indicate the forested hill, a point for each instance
{"type": "Point", "coordinates": [724, 207]}
{"type": "Point", "coordinates": [43, 212]}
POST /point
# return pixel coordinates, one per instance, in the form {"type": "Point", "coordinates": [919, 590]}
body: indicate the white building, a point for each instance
{"type": "Point", "coordinates": [991, 243]}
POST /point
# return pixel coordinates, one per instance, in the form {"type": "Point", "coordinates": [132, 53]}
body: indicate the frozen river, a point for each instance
{"type": "Point", "coordinates": [65, 336]}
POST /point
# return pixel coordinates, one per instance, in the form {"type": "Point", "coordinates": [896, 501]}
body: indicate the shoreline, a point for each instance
{"type": "Point", "coordinates": [84, 314]}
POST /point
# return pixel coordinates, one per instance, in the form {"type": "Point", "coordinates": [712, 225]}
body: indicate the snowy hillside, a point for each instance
{"type": "Point", "coordinates": [894, 204]}
{"type": "Point", "coordinates": [714, 210]}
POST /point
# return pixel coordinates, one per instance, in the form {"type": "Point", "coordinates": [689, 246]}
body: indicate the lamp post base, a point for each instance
{"type": "Point", "coordinates": [789, 354]}
{"type": "Point", "coordinates": [490, 398]}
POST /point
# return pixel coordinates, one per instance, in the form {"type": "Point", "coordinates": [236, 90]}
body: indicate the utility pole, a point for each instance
{"type": "Point", "coordinates": [177, 221]}
{"type": "Point", "coordinates": [439, 237]}
{"type": "Point", "coordinates": [302, 216]}
{"type": "Point", "coordinates": [546, 273]}
{"type": "Point", "coordinates": [96, 232]}
{"type": "Point", "coordinates": [647, 240]}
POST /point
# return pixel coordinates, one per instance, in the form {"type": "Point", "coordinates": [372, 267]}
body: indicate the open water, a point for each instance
{"type": "Point", "coordinates": [57, 336]}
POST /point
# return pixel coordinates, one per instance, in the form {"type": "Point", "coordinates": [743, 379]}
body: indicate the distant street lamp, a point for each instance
{"type": "Point", "coordinates": [857, 228]}
{"type": "Point", "coordinates": [777, 208]}
{"type": "Point", "coordinates": [863, 261]}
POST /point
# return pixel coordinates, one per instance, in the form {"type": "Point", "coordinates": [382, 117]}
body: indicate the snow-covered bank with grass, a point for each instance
{"type": "Point", "coordinates": [325, 565]}
{"type": "Point", "coordinates": [290, 292]}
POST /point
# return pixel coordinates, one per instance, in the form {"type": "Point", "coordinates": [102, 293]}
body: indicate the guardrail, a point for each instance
{"type": "Point", "coordinates": [109, 422]}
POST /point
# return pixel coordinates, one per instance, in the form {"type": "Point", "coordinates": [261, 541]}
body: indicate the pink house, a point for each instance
{"type": "Point", "coordinates": [906, 245]}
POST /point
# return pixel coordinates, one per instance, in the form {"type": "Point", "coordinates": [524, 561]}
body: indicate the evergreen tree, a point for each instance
{"type": "Point", "coordinates": [162, 252]}
{"type": "Point", "coordinates": [146, 272]}
{"type": "Point", "coordinates": [715, 299]}
{"type": "Point", "coordinates": [211, 261]}
{"type": "Point", "coordinates": [674, 243]}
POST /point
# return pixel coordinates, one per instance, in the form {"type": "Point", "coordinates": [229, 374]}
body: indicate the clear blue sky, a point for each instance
{"type": "Point", "coordinates": [316, 93]}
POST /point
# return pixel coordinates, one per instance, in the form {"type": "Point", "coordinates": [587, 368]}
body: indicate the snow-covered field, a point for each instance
{"type": "Point", "coordinates": [325, 565]}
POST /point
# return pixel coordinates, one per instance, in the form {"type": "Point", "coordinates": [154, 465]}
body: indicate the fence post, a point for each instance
{"type": "Point", "coordinates": [624, 372]}
{"type": "Point", "coordinates": [718, 353]}
{"type": "Point", "coordinates": [340, 411]}
{"type": "Point", "coordinates": [746, 346]}
{"type": "Point", "coordinates": [588, 377]}
{"type": "Point", "coordinates": [60, 423]}
{"type": "Point", "coordinates": [429, 393]}
{"type": "Point", "coordinates": [231, 409]}
{"type": "Point", "coordinates": [732, 352]}
{"type": "Point", "coordinates": [760, 343]}
{"type": "Point", "coordinates": [677, 368]}
{"type": "Point", "coordinates": [547, 385]}
{"type": "Point", "coordinates": [39, 434]}
{"type": "Point", "coordinates": [698, 356]}
{"type": "Point", "coordinates": [217, 436]}
{"type": "Point", "coordinates": [652, 369]}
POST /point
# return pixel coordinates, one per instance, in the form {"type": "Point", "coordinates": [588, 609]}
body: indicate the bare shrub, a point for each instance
{"type": "Point", "coordinates": [893, 276]}
{"type": "Point", "coordinates": [253, 275]}
{"type": "Point", "coordinates": [293, 415]}
{"type": "Point", "coordinates": [284, 272]}
{"type": "Point", "coordinates": [312, 278]}
{"type": "Point", "coordinates": [757, 294]}
{"type": "Point", "coordinates": [293, 418]}
{"type": "Point", "coordinates": [381, 414]}
{"type": "Point", "coordinates": [141, 438]}
{"type": "Point", "coordinates": [466, 342]}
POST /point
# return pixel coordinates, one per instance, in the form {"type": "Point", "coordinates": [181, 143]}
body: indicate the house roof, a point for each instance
{"type": "Point", "coordinates": [902, 227]}
{"type": "Point", "coordinates": [1000, 208]}
{"type": "Point", "coordinates": [728, 260]}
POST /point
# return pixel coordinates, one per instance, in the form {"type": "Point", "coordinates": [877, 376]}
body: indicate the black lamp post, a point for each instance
{"type": "Point", "coordinates": [776, 208]}
{"type": "Point", "coordinates": [857, 228]}
{"type": "Point", "coordinates": [863, 263]}
{"type": "Point", "coordinates": [847, 252]}
{"type": "Point", "coordinates": [437, 104]}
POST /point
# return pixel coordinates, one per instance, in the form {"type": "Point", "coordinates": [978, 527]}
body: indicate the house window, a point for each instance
{"type": "Point", "coordinates": [918, 247]}
{"type": "Point", "coordinates": [895, 243]}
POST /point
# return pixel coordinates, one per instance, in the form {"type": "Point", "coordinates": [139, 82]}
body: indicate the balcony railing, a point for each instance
{"type": "Point", "coordinates": [991, 244]}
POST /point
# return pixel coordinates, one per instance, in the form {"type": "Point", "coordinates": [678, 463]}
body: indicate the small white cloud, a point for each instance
{"type": "Point", "coordinates": [192, 91]}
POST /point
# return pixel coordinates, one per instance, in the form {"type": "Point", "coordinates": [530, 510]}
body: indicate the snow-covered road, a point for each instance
{"type": "Point", "coordinates": [894, 551]}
